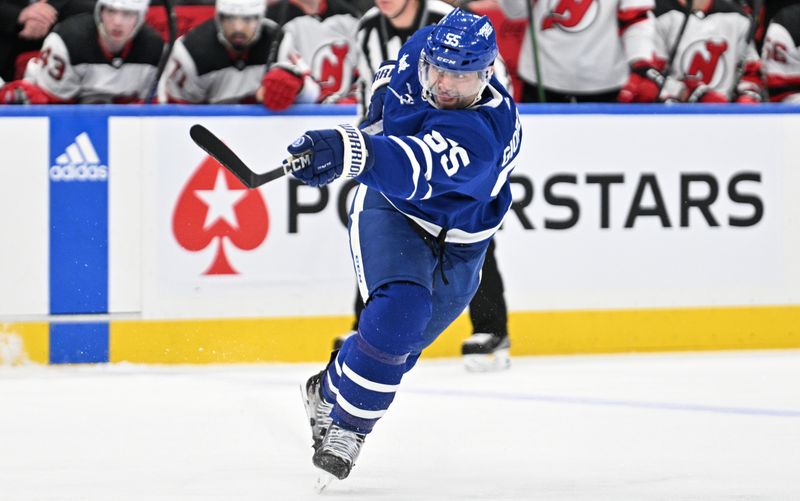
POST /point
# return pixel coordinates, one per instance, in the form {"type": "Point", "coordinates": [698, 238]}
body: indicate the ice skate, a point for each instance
{"type": "Point", "coordinates": [339, 341]}
{"type": "Point", "coordinates": [338, 452]}
{"type": "Point", "coordinates": [317, 409]}
{"type": "Point", "coordinates": [485, 352]}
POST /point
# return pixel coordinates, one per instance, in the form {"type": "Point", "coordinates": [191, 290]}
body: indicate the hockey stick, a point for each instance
{"type": "Point", "coordinates": [751, 35]}
{"type": "Point", "coordinates": [273, 47]}
{"type": "Point", "coordinates": [212, 145]}
{"type": "Point", "coordinates": [272, 53]}
{"type": "Point", "coordinates": [172, 29]}
{"type": "Point", "coordinates": [674, 49]}
{"type": "Point", "coordinates": [535, 47]}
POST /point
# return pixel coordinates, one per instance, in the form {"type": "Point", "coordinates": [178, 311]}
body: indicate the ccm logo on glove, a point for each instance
{"type": "Point", "coordinates": [294, 164]}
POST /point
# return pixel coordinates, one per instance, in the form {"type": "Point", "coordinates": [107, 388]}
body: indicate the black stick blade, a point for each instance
{"type": "Point", "coordinates": [212, 145]}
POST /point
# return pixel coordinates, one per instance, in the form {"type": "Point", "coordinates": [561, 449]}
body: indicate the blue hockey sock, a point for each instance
{"type": "Point", "coordinates": [370, 366]}
{"type": "Point", "coordinates": [330, 383]}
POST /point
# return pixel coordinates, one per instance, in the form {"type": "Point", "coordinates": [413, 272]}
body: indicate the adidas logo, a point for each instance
{"type": "Point", "coordinates": [79, 162]}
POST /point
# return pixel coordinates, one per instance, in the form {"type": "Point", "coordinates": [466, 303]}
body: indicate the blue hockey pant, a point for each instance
{"type": "Point", "coordinates": [408, 304]}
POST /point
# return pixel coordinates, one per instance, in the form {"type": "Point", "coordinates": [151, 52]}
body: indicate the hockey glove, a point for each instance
{"type": "Point", "coordinates": [749, 97]}
{"type": "Point", "coordinates": [380, 85]}
{"type": "Point", "coordinates": [22, 92]}
{"type": "Point", "coordinates": [699, 92]}
{"type": "Point", "coordinates": [281, 84]}
{"type": "Point", "coordinates": [749, 92]}
{"type": "Point", "coordinates": [343, 149]}
{"type": "Point", "coordinates": [643, 84]}
{"type": "Point", "coordinates": [750, 87]}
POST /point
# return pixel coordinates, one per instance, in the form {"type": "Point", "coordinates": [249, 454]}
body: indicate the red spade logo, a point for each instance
{"type": "Point", "coordinates": [214, 205]}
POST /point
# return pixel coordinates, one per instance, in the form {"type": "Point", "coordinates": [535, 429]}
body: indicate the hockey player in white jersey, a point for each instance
{"type": "Point", "coordinates": [715, 60]}
{"type": "Point", "coordinates": [780, 55]}
{"type": "Point", "coordinates": [223, 59]}
{"type": "Point", "coordinates": [434, 189]}
{"type": "Point", "coordinates": [108, 57]}
{"type": "Point", "coordinates": [319, 42]}
{"type": "Point", "coordinates": [588, 50]}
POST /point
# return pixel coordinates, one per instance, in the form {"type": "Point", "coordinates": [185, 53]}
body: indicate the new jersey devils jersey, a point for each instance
{"type": "Point", "coordinates": [445, 169]}
{"type": "Point", "coordinates": [713, 44]}
{"type": "Point", "coordinates": [74, 67]}
{"type": "Point", "coordinates": [585, 46]}
{"type": "Point", "coordinates": [781, 55]}
{"type": "Point", "coordinates": [203, 70]}
{"type": "Point", "coordinates": [321, 45]}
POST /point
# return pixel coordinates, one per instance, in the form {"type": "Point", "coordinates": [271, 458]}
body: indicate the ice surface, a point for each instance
{"type": "Point", "coordinates": [713, 426]}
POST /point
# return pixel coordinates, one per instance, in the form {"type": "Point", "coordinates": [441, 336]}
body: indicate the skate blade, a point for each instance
{"type": "Point", "coordinates": [490, 362]}
{"type": "Point", "coordinates": [306, 403]}
{"type": "Point", "coordinates": [324, 479]}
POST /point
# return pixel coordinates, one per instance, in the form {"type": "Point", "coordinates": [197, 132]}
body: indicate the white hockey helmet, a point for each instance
{"type": "Point", "coordinates": [138, 6]}
{"type": "Point", "coordinates": [240, 8]}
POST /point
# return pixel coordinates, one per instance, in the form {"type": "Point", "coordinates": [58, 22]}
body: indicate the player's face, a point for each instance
{"type": "Point", "coordinates": [239, 30]}
{"type": "Point", "coordinates": [453, 89]}
{"type": "Point", "coordinates": [119, 25]}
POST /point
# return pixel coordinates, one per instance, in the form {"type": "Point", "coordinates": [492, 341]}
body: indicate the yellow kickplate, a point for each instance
{"type": "Point", "coordinates": [532, 333]}
{"type": "Point", "coordinates": [24, 342]}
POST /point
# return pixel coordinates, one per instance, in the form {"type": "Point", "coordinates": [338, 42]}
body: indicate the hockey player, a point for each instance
{"type": "Point", "coordinates": [319, 41]}
{"type": "Point", "coordinates": [382, 31]}
{"type": "Point", "coordinates": [781, 55]}
{"type": "Point", "coordinates": [588, 51]}
{"type": "Point", "coordinates": [223, 59]}
{"type": "Point", "coordinates": [111, 57]}
{"type": "Point", "coordinates": [715, 61]}
{"type": "Point", "coordinates": [434, 190]}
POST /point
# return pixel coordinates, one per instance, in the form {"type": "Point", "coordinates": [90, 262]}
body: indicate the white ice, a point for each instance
{"type": "Point", "coordinates": [713, 426]}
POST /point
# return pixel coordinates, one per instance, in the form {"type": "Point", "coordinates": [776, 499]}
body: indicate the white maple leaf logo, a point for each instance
{"type": "Point", "coordinates": [403, 64]}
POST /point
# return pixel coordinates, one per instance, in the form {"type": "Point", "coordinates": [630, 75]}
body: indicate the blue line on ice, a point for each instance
{"type": "Point", "coordinates": [670, 406]}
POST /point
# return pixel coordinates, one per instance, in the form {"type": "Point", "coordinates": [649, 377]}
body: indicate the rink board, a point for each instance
{"type": "Point", "coordinates": [634, 229]}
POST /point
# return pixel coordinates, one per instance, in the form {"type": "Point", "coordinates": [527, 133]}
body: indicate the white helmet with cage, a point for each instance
{"type": "Point", "coordinates": [137, 6]}
{"type": "Point", "coordinates": [253, 9]}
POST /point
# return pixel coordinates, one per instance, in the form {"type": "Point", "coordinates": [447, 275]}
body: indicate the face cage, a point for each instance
{"type": "Point", "coordinates": [221, 33]}
{"type": "Point", "coordinates": [429, 92]}
{"type": "Point", "coordinates": [99, 6]}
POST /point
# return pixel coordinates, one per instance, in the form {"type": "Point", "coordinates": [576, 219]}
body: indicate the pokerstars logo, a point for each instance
{"type": "Point", "coordinates": [215, 207]}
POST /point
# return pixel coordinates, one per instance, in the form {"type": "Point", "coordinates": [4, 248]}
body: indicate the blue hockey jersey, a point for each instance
{"type": "Point", "coordinates": [445, 169]}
